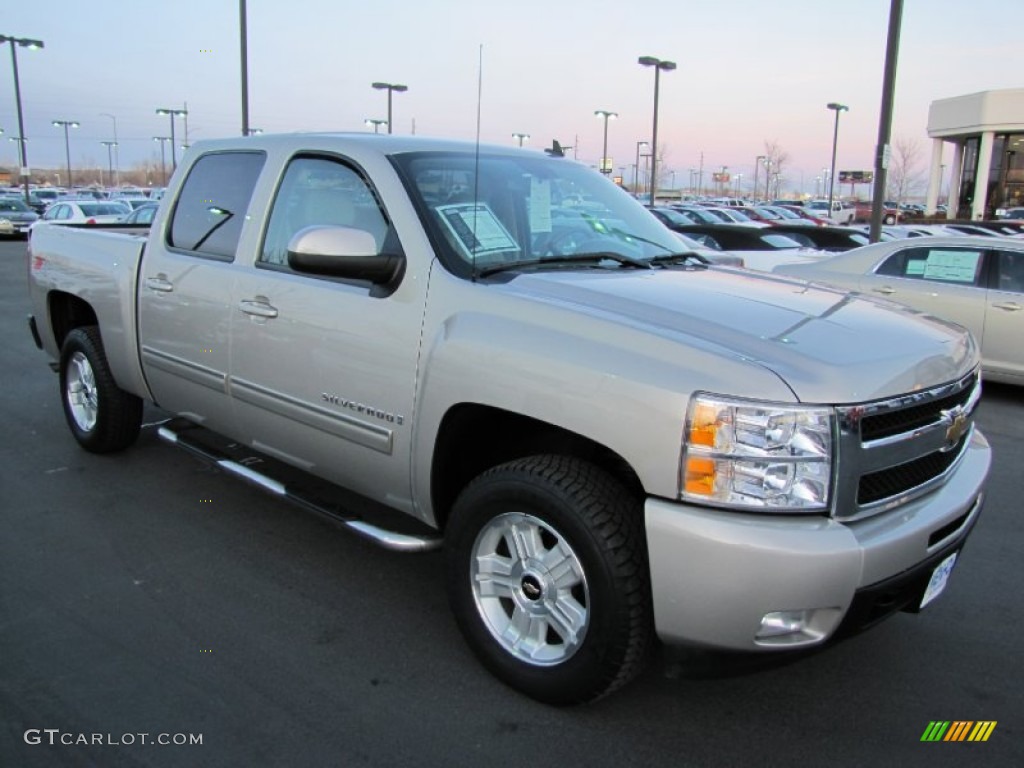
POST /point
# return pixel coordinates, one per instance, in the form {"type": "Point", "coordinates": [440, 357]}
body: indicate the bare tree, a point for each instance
{"type": "Point", "coordinates": [773, 172]}
{"type": "Point", "coordinates": [905, 174]}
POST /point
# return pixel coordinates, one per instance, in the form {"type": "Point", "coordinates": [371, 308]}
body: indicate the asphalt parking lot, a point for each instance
{"type": "Point", "coordinates": [146, 593]}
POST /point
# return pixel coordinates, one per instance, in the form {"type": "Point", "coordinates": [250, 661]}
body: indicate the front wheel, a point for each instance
{"type": "Point", "coordinates": [890, 219]}
{"type": "Point", "coordinates": [102, 417]}
{"type": "Point", "coordinates": [548, 578]}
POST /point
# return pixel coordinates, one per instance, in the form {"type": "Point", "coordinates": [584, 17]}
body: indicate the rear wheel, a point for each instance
{"type": "Point", "coordinates": [890, 219]}
{"type": "Point", "coordinates": [548, 579]}
{"type": "Point", "coordinates": [102, 417]}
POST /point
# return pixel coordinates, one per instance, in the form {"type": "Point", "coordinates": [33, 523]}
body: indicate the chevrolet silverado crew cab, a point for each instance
{"type": "Point", "coordinates": [612, 439]}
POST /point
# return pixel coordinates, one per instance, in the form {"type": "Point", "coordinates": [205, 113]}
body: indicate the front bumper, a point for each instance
{"type": "Point", "coordinates": [715, 575]}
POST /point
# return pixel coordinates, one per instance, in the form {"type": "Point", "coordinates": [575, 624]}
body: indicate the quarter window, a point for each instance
{"type": "Point", "coordinates": [213, 201]}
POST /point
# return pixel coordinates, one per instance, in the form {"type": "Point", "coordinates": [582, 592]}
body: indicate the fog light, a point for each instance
{"type": "Point", "coordinates": [778, 623]}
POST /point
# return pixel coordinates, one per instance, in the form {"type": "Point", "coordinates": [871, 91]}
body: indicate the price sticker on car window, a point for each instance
{"type": "Point", "coordinates": [477, 231]}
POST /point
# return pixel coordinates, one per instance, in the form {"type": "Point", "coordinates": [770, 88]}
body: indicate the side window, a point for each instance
{"type": "Point", "coordinates": [1011, 272]}
{"type": "Point", "coordinates": [211, 207]}
{"type": "Point", "coordinates": [318, 190]}
{"type": "Point", "coordinates": [960, 266]}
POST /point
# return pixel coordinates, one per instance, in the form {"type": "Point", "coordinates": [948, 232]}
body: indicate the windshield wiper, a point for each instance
{"type": "Point", "coordinates": [594, 258]}
{"type": "Point", "coordinates": [679, 258]}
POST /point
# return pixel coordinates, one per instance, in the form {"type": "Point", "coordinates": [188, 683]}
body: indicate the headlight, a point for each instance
{"type": "Point", "coordinates": [754, 455]}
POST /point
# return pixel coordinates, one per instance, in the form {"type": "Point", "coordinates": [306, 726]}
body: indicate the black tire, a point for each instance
{"type": "Point", "coordinates": [102, 417]}
{"type": "Point", "coordinates": [890, 219]}
{"type": "Point", "coordinates": [562, 501]}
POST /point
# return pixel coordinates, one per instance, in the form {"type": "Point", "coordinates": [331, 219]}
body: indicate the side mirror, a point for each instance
{"type": "Point", "coordinates": [341, 252]}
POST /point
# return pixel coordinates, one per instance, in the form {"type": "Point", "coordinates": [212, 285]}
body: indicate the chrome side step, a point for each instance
{"type": "Point", "coordinates": [215, 449]}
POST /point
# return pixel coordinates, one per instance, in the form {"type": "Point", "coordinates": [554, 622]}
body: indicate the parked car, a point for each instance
{"type": "Point", "coordinates": [734, 215]}
{"type": "Point", "coordinates": [803, 213]}
{"type": "Point", "coordinates": [143, 215]}
{"type": "Point", "coordinates": [976, 283]}
{"type": "Point", "coordinates": [840, 213]}
{"type": "Point", "coordinates": [832, 239]}
{"type": "Point", "coordinates": [85, 212]}
{"type": "Point", "coordinates": [760, 248]}
{"type": "Point", "coordinates": [1010, 213]}
{"type": "Point", "coordinates": [15, 217]}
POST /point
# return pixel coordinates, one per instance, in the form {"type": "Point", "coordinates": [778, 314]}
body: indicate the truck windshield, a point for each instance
{"type": "Point", "coordinates": [523, 208]}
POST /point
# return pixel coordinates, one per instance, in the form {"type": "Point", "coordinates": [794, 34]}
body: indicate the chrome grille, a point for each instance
{"type": "Point", "coordinates": [894, 450]}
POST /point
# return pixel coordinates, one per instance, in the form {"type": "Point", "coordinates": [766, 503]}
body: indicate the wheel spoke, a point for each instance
{"type": "Point", "coordinates": [568, 617]}
{"type": "Point", "coordinates": [525, 541]}
{"type": "Point", "coordinates": [563, 568]}
{"type": "Point", "coordinates": [494, 576]}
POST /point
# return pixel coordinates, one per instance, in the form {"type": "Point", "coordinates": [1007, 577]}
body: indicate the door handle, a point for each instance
{"type": "Point", "coordinates": [1009, 306]}
{"type": "Point", "coordinates": [258, 307]}
{"type": "Point", "coordinates": [160, 283]}
{"type": "Point", "coordinates": [885, 289]}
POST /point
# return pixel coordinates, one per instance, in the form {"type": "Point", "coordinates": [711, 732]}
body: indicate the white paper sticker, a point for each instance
{"type": "Point", "coordinates": [540, 205]}
{"type": "Point", "coordinates": [476, 229]}
{"type": "Point", "coordinates": [952, 266]}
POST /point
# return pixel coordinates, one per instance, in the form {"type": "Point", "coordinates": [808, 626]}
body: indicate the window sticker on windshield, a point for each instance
{"type": "Point", "coordinates": [952, 266]}
{"type": "Point", "coordinates": [540, 205]}
{"type": "Point", "coordinates": [477, 230]}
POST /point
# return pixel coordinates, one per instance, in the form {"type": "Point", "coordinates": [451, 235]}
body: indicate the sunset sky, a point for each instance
{"type": "Point", "coordinates": [747, 72]}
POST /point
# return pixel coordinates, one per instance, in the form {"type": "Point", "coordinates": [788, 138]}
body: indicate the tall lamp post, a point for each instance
{"type": "Point", "coordinates": [606, 167]}
{"type": "Point", "coordinates": [110, 158]}
{"type": "Point", "coordinates": [636, 168]}
{"type": "Point", "coordinates": [163, 156]}
{"type": "Point", "coordinates": [116, 180]}
{"type": "Point", "coordinates": [767, 179]}
{"type": "Point", "coordinates": [32, 45]}
{"type": "Point", "coordinates": [65, 124]}
{"type": "Point", "coordinates": [376, 123]}
{"type": "Point", "coordinates": [659, 65]}
{"type": "Point", "coordinates": [390, 88]}
{"type": "Point", "coordinates": [520, 137]}
{"type": "Point", "coordinates": [173, 113]}
{"type": "Point", "coordinates": [757, 167]}
{"type": "Point", "coordinates": [837, 108]}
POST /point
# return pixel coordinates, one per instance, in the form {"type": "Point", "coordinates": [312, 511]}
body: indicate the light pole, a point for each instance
{"type": "Point", "coordinates": [739, 177]}
{"type": "Point", "coordinates": [173, 113]}
{"type": "Point", "coordinates": [668, 66]}
{"type": "Point", "coordinates": [837, 108]}
{"type": "Point", "coordinates": [757, 167]}
{"type": "Point", "coordinates": [163, 156]}
{"type": "Point", "coordinates": [391, 88]}
{"type": "Point", "coordinates": [110, 158]}
{"type": "Point", "coordinates": [65, 124]}
{"type": "Point", "coordinates": [376, 123]}
{"type": "Point", "coordinates": [116, 180]}
{"type": "Point", "coordinates": [32, 45]}
{"type": "Point", "coordinates": [636, 174]}
{"type": "Point", "coordinates": [767, 179]}
{"type": "Point", "coordinates": [520, 137]}
{"type": "Point", "coordinates": [253, 131]}
{"type": "Point", "coordinates": [606, 167]}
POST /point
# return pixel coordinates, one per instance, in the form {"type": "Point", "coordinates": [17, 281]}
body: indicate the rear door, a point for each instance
{"type": "Point", "coordinates": [1004, 317]}
{"type": "Point", "coordinates": [185, 288]}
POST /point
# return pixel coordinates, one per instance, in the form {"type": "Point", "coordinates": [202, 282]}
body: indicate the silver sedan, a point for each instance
{"type": "Point", "coordinates": [975, 282]}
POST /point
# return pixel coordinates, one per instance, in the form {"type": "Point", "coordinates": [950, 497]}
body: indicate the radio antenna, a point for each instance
{"type": "Point", "coordinates": [476, 157]}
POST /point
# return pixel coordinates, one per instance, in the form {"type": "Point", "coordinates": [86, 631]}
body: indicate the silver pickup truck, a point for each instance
{"type": "Point", "coordinates": [499, 350]}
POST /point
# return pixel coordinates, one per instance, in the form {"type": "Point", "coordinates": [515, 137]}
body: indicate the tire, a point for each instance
{"type": "Point", "coordinates": [102, 417]}
{"type": "Point", "coordinates": [890, 219]}
{"type": "Point", "coordinates": [554, 546]}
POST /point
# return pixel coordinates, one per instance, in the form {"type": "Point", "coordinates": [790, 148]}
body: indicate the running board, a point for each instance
{"type": "Point", "coordinates": [239, 461]}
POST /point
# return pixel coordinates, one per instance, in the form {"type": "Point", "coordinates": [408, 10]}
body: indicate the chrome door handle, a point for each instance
{"type": "Point", "coordinates": [1009, 306]}
{"type": "Point", "coordinates": [257, 307]}
{"type": "Point", "coordinates": [160, 283]}
{"type": "Point", "coordinates": [885, 289]}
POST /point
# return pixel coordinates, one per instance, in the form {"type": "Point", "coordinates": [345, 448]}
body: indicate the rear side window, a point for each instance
{"type": "Point", "coordinates": [941, 265]}
{"type": "Point", "coordinates": [211, 206]}
{"type": "Point", "coordinates": [1011, 272]}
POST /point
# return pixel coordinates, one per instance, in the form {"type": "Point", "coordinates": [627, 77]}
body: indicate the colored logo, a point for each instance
{"type": "Point", "coordinates": [958, 730]}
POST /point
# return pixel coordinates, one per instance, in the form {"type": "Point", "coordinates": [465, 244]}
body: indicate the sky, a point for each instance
{"type": "Point", "coordinates": [749, 72]}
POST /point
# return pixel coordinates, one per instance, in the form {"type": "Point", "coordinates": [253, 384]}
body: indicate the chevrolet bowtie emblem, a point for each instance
{"type": "Point", "coordinates": [956, 418]}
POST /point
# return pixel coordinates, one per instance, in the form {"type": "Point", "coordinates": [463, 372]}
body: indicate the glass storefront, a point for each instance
{"type": "Point", "coordinates": [1005, 177]}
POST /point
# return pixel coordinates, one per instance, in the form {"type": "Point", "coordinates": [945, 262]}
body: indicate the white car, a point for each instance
{"type": "Point", "coordinates": [975, 282]}
{"type": "Point", "coordinates": [85, 212]}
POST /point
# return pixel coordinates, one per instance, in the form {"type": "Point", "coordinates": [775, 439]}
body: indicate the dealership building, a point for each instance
{"type": "Point", "coordinates": [986, 130]}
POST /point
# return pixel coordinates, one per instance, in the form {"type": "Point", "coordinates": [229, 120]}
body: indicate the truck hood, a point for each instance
{"type": "Point", "coordinates": [826, 345]}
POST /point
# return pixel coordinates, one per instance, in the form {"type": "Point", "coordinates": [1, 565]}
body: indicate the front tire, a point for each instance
{"type": "Point", "coordinates": [102, 417]}
{"type": "Point", "coordinates": [548, 578]}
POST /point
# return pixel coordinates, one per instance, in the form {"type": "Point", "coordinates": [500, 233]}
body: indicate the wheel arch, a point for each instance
{"type": "Point", "coordinates": [472, 438]}
{"type": "Point", "coordinates": [67, 312]}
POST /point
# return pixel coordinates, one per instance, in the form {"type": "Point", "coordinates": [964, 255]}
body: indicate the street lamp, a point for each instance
{"type": "Point", "coordinates": [253, 131]}
{"type": "Point", "coordinates": [767, 179]}
{"type": "Point", "coordinates": [520, 137]}
{"type": "Point", "coordinates": [391, 88]}
{"type": "Point", "coordinates": [837, 108]}
{"type": "Point", "coordinates": [32, 45]}
{"type": "Point", "coordinates": [173, 113]}
{"type": "Point", "coordinates": [739, 177]}
{"type": "Point", "coordinates": [659, 65]}
{"type": "Point", "coordinates": [116, 179]}
{"type": "Point", "coordinates": [757, 167]}
{"type": "Point", "coordinates": [65, 124]}
{"type": "Point", "coordinates": [376, 123]}
{"type": "Point", "coordinates": [163, 156]}
{"type": "Point", "coordinates": [636, 172]}
{"type": "Point", "coordinates": [110, 158]}
{"type": "Point", "coordinates": [606, 167]}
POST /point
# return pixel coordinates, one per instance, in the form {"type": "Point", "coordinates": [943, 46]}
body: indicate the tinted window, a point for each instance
{"type": "Point", "coordinates": [314, 191]}
{"type": "Point", "coordinates": [1011, 272]}
{"type": "Point", "coordinates": [941, 265]}
{"type": "Point", "coordinates": [211, 206]}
